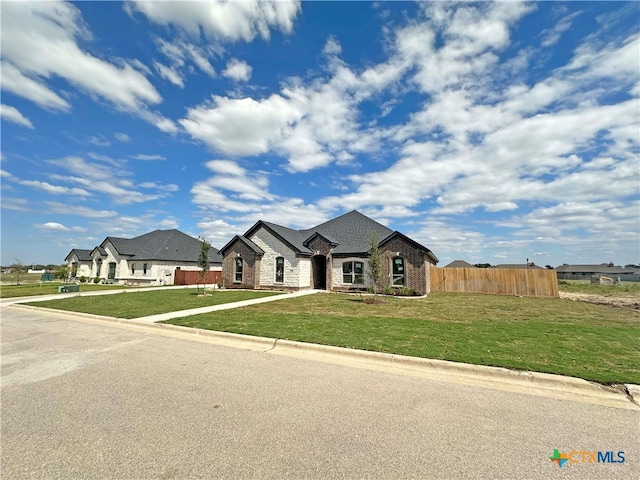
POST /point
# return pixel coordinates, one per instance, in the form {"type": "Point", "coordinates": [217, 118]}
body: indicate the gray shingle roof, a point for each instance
{"type": "Point", "coordinates": [459, 264]}
{"type": "Point", "coordinates": [82, 254]}
{"type": "Point", "coordinates": [162, 245]}
{"type": "Point", "coordinates": [252, 246]}
{"type": "Point", "coordinates": [349, 232]}
{"type": "Point", "coordinates": [604, 268]}
{"type": "Point", "coordinates": [518, 265]}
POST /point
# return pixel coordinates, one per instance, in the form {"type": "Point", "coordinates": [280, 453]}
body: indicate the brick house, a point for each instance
{"type": "Point", "coordinates": [329, 256]}
{"type": "Point", "coordinates": [149, 259]}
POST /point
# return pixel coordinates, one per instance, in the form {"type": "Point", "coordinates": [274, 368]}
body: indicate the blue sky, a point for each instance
{"type": "Point", "coordinates": [489, 132]}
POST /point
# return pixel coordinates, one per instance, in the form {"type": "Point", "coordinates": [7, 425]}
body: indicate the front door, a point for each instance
{"type": "Point", "coordinates": [319, 268]}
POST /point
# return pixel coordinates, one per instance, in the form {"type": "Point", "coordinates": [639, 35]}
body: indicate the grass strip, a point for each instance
{"type": "Point", "coordinates": [593, 342]}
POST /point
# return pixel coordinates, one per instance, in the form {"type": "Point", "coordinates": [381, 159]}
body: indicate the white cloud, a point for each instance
{"type": "Point", "coordinates": [78, 210]}
{"type": "Point", "coordinates": [99, 141]}
{"type": "Point", "coordinates": [106, 178]}
{"type": "Point", "coordinates": [179, 52]}
{"type": "Point", "coordinates": [145, 157]}
{"type": "Point", "coordinates": [241, 126]}
{"type": "Point", "coordinates": [237, 70]}
{"type": "Point", "coordinates": [492, 150]}
{"type": "Point", "coordinates": [53, 226]}
{"type": "Point", "coordinates": [311, 125]}
{"type": "Point", "coordinates": [40, 41]}
{"type": "Point", "coordinates": [122, 137]}
{"type": "Point", "coordinates": [17, 83]}
{"type": "Point", "coordinates": [171, 187]}
{"type": "Point", "coordinates": [54, 189]}
{"type": "Point", "coordinates": [169, 74]}
{"type": "Point", "coordinates": [129, 225]}
{"type": "Point", "coordinates": [236, 198]}
{"type": "Point", "coordinates": [222, 21]}
{"type": "Point", "coordinates": [12, 114]}
{"type": "Point", "coordinates": [16, 204]}
{"type": "Point", "coordinates": [551, 36]}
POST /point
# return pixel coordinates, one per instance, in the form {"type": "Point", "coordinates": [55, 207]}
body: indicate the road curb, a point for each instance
{"type": "Point", "coordinates": [533, 383]}
{"type": "Point", "coordinates": [633, 391]}
{"type": "Point", "coordinates": [557, 386]}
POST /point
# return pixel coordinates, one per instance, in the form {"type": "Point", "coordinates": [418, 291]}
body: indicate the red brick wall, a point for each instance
{"type": "Point", "coordinates": [320, 245]}
{"type": "Point", "coordinates": [251, 267]}
{"type": "Point", "coordinates": [415, 263]}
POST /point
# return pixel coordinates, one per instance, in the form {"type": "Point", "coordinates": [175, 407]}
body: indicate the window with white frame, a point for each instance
{"type": "Point", "coordinates": [280, 270]}
{"type": "Point", "coordinates": [353, 272]}
{"type": "Point", "coordinates": [238, 271]}
{"type": "Point", "coordinates": [144, 268]}
{"type": "Point", "coordinates": [133, 268]}
{"type": "Point", "coordinates": [398, 272]}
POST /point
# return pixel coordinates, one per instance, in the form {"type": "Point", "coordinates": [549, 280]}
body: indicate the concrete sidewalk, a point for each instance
{"type": "Point", "coordinates": [161, 317]}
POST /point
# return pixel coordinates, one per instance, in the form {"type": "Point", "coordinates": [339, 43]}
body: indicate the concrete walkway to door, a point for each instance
{"type": "Point", "coordinates": [161, 317]}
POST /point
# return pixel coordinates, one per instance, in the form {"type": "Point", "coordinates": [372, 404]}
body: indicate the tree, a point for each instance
{"type": "Point", "coordinates": [203, 261]}
{"type": "Point", "coordinates": [61, 272]}
{"type": "Point", "coordinates": [18, 268]}
{"type": "Point", "coordinates": [374, 264]}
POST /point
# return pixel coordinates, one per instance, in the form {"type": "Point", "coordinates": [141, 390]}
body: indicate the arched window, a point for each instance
{"type": "Point", "coordinates": [280, 270]}
{"type": "Point", "coordinates": [238, 272]}
{"type": "Point", "coordinates": [398, 277]}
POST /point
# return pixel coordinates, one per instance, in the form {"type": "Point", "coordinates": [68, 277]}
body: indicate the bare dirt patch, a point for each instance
{"type": "Point", "coordinates": [630, 302]}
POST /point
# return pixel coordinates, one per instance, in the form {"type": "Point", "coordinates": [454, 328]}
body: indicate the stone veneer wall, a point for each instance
{"type": "Point", "coordinates": [297, 270]}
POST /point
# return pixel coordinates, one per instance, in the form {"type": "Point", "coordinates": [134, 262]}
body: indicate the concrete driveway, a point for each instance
{"type": "Point", "coordinates": [81, 400]}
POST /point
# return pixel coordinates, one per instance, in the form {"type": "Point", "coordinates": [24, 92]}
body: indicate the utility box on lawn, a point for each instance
{"type": "Point", "coordinates": [68, 288]}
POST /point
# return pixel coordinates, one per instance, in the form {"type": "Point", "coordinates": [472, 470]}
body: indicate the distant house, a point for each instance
{"type": "Point", "coordinates": [331, 256]}
{"type": "Point", "coordinates": [460, 264]}
{"type": "Point", "coordinates": [148, 259]}
{"type": "Point", "coordinates": [585, 272]}
{"type": "Point", "coordinates": [79, 262]}
{"type": "Point", "coordinates": [529, 266]}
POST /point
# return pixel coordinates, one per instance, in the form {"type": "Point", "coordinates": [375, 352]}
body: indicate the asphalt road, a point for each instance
{"type": "Point", "coordinates": [87, 401]}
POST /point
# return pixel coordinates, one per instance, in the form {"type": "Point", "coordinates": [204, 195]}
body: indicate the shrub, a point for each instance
{"type": "Point", "coordinates": [96, 280]}
{"type": "Point", "coordinates": [83, 279]}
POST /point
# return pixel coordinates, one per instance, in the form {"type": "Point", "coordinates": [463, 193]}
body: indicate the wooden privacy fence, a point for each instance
{"type": "Point", "coordinates": [500, 281]}
{"type": "Point", "coordinates": [192, 277]}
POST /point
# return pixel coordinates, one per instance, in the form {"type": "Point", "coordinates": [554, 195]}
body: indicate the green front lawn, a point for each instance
{"type": "Point", "coordinates": [550, 335]}
{"type": "Point", "coordinates": [47, 288]}
{"type": "Point", "coordinates": [141, 304]}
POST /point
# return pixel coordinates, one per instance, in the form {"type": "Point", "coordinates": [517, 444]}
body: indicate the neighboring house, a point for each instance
{"type": "Point", "coordinates": [460, 264]}
{"type": "Point", "coordinates": [585, 272]}
{"type": "Point", "coordinates": [529, 266]}
{"type": "Point", "coordinates": [151, 258]}
{"type": "Point", "coordinates": [79, 263]}
{"type": "Point", "coordinates": [330, 256]}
